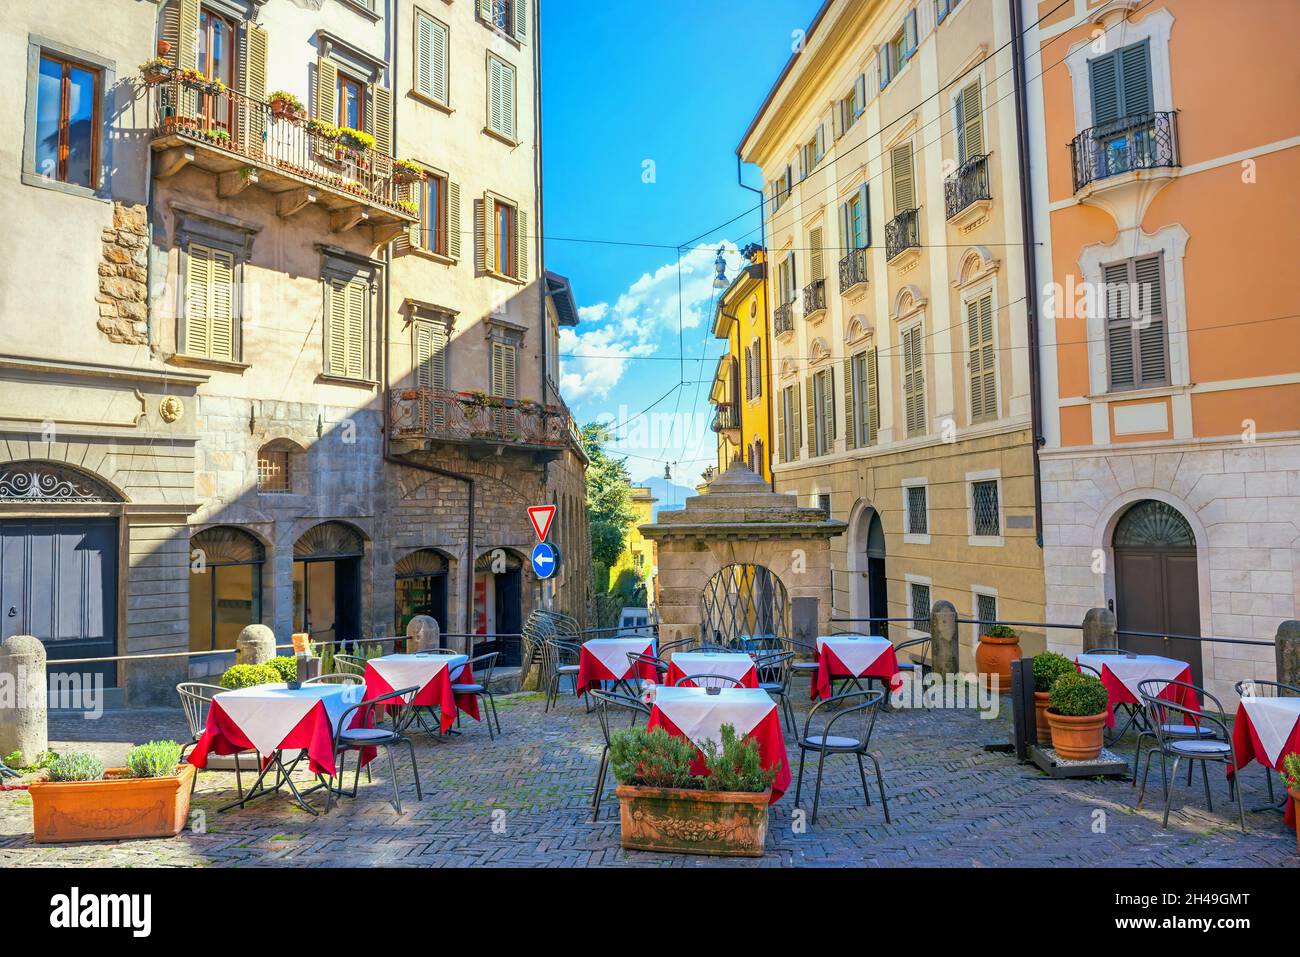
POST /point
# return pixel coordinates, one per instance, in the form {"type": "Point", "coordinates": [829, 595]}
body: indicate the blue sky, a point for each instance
{"type": "Point", "coordinates": [660, 92]}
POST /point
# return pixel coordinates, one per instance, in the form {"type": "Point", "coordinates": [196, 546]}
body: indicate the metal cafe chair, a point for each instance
{"type": "Point", "coordinates": [606, 701]}
{"type": "Point", "coordinates": [338, 678]}
{"type": "Point", "coordinates": [349, 665]}
{"type": "Point", "coordinates": [1217, 748]}
{"type": "Point", "coordinates": [1146, 724]}
{"type": "Point", "coordinates": [1260, 688]}
{"type": "Point", "coordinates": [708, 681]}
{"type": "Point", "coordinates": [196, 699]}
{"type": "Point", "coordinates": [681, 644]}
{"type": "Point", "coordinates": [637, 659]}
{"type": "Point", "coordinates": [368, 734]}
{"type": "Point", "coordinates": [561, 662]}
{"type": "Point", "coordinates": [857, 710]}
{"type": "Point", "coordinates": [774, 678]}
{"type": "Point", "coordinates": [805, 658]}
{"type": "Point", "coordinates": [481, 687]}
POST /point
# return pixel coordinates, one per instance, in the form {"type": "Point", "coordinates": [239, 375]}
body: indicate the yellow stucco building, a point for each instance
{"type": "Point", "coordinates": [741, 393]}
{"type": "Point", "coordinates": [639, 555]}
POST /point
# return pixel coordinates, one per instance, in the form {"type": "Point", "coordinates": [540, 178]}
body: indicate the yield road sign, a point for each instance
{"type": "Point", "coordinates": [541, 516]}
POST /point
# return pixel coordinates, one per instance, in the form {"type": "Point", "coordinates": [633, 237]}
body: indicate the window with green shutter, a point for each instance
{"type": "Point", "coordinates": [821, 412]}
{"type": "Point", "coordinates": [900, 163]}
{"type": "Point", "coordinates": [1137, 339]}
{"type": "Point", "coordinates": [981, 359]}
{"type": "Point", "coordinates": [970, 123]}
{"type": "Point", "coordinates": [347, 319]}
{"type": "Point", "coordinates": [862, 400]}
{"type": "Point", "coordinates": [504, 371]}
{"type": "Point", "coordinates": [209, 324]}
{"type": "Point", "coordinates": [914, 382]}
{"type": "Point", "coordinates": [432, 39]}
{"type": "Point", "coordinates": [1121, 84]}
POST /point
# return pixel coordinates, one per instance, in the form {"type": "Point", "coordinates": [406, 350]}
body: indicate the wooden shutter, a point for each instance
{"type": "Point", "coordinates": [909, 34]}
{"type": "Point", "coordinates": [850, 420]}
{"type": "Point", "coordinates": [431, 355]}
{"type": "Point", "coordinates": [1135, 77]}
{"type": "Point", "coordinates": [797, 414]}
{"type": "Point", "coordinates": [501, 97]}
{"type": "Point", "coordinates": [1153, 364]}
{"type": "Point", "coordinates": [864, 198]}
{"type": "Point", "coordinates": [484, 234]}
{"type": "Point", "coordinates": [210, 303]}
{"type": "Point", "coordinates": [816, 256]}
{"type": "Point", "coordinates": [1119, 327]}
{"type": "Point", "coordinates": [485, 11]}
{"type": "Point", "coordinates": [780, 425]}
{"type": "Point", "coordinates": [327, 91]}
{"type": "Point", "coordinates": [187, 34]}
{"type": "Point", "coordinates": [882, 65]}
{"type": "Point", "coordinates": [828, 407]}
{"type": "Point", "coordinates": [345, 351]}
{"type": "Point", "coordinates": [1103, 78]}
{"type": "Point", "coordinates": [504, 370]}
{"type": "Point", "coordinates": [982, 358]}
{"type": "Point", "coordinates": [453, 219]}
{"type": "Point", "coordinates": [860, 95]}
{"type": "Point", "coordinates": [972, 123]}
{"type": "Point", "coordinates": [253, 78]}
{"type": "Point", "coordinates": [431, 57]}
{"type": "Point", "coordinates": [810, 399]}
{"type": "Point", "coordinates": [521, 19]}
{"type": "Point", "coordinates": [381, 119]}
{"type": "Point", "coordinates": [820, 140]}
{"type": "Point", "coordinates": [914, 382]}
{"type": "Point", "coordinates": [900, 160]}
{"type": "Point", "coordinates": [521, 245]}
{"type": "Point", "coordinates": [873, 397]}
{"type": "Point", "coordinates": [847, 243]}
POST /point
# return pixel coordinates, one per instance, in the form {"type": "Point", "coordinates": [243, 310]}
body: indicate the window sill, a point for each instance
{"type": "Point", "coordinates": [502, 137]}
{"type": "Point", "coordinates": [430, 102]}
{"type": "Point", "coordinates": [503, 34]}
{"type": "Point", "coordinates": [912, 539]}
{"type": "Point", "coordinates": [31, 178]}
{"type": "Point", "coordinates": [204, 362]}
{"type": "Point", "coordinates": [1146, 392]}
{"type": "Point", "coordinates": [430, 255]}
{"type": "Point", "coordinates": [986, 541]}
{"type": "Point", "coordinates": [373, 15]}
{"type": "Point", "coordinates": [514, 281]}
{"type": "Point", "coordinates": [327, 379]}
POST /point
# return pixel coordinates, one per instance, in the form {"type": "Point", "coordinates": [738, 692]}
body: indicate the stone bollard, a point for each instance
{"type": "Point", "coordinates": [1099, 629]}
{"type": "Point", "coordinates": [1288, 653]}
{"type": "Point", "coordinates": [945, 649]}
{"type": "Point", "coordinates": [23, 721]}
{"type": "Point", "coordinates": [255, 645]}
{"type": "Point", "coordinates": [422, 634]}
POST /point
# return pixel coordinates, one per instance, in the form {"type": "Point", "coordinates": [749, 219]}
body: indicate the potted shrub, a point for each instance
{"type": "Point", "coordinates": [249, 676]}
{"type": "Point", "coordinates": [1077, 715]}
{"type": "Point", "coordinates": [81, 801]}
{"type": "Point", "coordinates": [284, 105]}
{"type": "Point", "coordinates": [1291, 774]}
{"type": "Point", "coordinates": [663, 807]}
{"type": "Point", "coordinates": [1048, 666]}
{"type": "Point", "coordinates": [998, 647]}
{"type": "Point", "coordinates": [356, 140]}
{"type": "Point", "coordinates": [404, 171]}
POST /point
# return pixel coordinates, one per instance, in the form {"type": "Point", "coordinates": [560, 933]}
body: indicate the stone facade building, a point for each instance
{"type": "Point", "coordinates": [238, 416]}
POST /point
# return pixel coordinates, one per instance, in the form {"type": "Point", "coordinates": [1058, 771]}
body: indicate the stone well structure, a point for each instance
{"type": "Point", "coordinates": [738, 519]}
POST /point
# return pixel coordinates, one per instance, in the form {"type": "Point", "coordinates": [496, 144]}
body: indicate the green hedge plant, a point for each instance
{"type": "Point", "coordinates": [77, 766]}
{"type": "Point", "coordinates": [248, 676]}
{"type": "Point", "coordinates": [1048, 666]}
{"type": "Point", "coordinates": [654, 758]}
{"type": "Point", "coordinates": [737, 766]}
{"type": "Point", "coordinates": [1000, 631]}
{"type": "Point", "coordinates": [157, 759]}
{"type": "Point", "coordinates": [286, 667]}
{"type": "Point", "coordinates": [1078, 696]}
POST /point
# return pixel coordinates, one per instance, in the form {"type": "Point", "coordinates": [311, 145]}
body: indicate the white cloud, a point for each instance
{"type": "Point", "coordinates": [594, 357]}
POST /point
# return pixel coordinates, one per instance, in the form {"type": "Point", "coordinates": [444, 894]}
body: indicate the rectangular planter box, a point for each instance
{"type": "Point", "coordinates": [112, 809]}
{"type": "Point", "coordinates": [680, 821]}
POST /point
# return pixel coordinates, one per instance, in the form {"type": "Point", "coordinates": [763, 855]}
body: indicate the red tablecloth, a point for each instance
{"type": "Point", "coordinates": [436, 693]}
{"type": "Point", "coordinates": [829, 667]}
{"type": "Point", "coordinates": [313, 733]}
{"type": "Point", "coordinates": [1120, 694]}
{"type": "Point", "coordinates": [675, 674]}
{"type": "Point", "coordinates": [591, 669]}
{"type": "Point", "coordinates": [1249, 748]}
{"type": "Point", "coordinates": [771, 747]}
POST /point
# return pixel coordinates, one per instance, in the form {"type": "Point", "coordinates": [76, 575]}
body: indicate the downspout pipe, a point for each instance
{"type": "Point", "coordinates": [1030, 248]}
{"type": "Point", "coordinates": [770, 451]}
{"type": "Point", "coordinates": [386, 402]}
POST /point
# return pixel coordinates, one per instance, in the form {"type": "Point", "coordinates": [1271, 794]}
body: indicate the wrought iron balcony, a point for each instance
{"type": "Point", "coordinates": [783, 318]}
{"type": "Point", "coordinates": [475, 418]}
{"type": "Point", "coordinates": [247, 142]}
{"type": "Point", "coordinates": [902, 233]}
{"type": "Point", "coordinates": [726, 417]}
{"type": "Point", "coordinates": [1128, 145]}
{"type": "Point", "coordinates": [814, 298]}
{"type": "Point", "coordinates": [967, 186]}
{"type": "Point", "coordinates": [853, 270]}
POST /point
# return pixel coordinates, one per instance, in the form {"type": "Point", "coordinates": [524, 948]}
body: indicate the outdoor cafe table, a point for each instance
{"type": "Point", "coordinates": [1267, 730]}
{"type": "Point", "coordinates": [1121, 674]}
{"type": "Point", "coordinates": [694, 713]}
{"type": "Point", "coordinates": [605, 659]}
{"type": "Point", "coordinates": [855, 657]}
{"type": "Point", "coordinates": [432, 674]}
{"type": "Point", "coordinates": [729, 664]}
{"type": "Point", "coordinates": [271, 719]}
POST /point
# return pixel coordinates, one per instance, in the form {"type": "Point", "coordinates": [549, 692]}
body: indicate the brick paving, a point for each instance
{"type": "Point", "coordinates": [952, 804]}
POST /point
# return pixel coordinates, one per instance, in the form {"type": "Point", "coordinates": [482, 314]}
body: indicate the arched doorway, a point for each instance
{"type": "Point", "coordinates": [1156, 590]}
{"type": "Point", "coordinates": [499, 602]}
{"type": "Point", "coordinates": [225, 586]}
{"type": "Point", "coordinates": [421, 588]}
{"type": "Point", "coordinates": [870, 601]}
{"type": "Point", "coordinates": [327, 583]}
{"type": "Point", "coordinates": [744, 605]}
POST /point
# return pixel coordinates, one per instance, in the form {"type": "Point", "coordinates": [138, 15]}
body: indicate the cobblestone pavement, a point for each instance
{"type": "Point", "coordinates": [952, 802]}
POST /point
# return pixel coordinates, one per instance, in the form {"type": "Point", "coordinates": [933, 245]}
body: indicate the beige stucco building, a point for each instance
{"type": "Point", "coordinates": [901, 375]}
{"type": "Point", "coordinates": [257, 347]}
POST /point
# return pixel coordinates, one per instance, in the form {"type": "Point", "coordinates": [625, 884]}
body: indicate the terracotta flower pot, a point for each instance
{"type": "Point", "coordinates": [993, 656]}
{"type": "Point", "coordinates": [1076, 739]}
{"type": "Point", "coordinates": [120, 806]}
{"type": "Point", "coordinates": [682, 821]}
{"type": "Point", "coordinates": [1041, 701]}
{"type": "Point", "coordinates": [164, 47]}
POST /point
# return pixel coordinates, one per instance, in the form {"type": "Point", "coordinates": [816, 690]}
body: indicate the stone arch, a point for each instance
{"type": "Point", "coordinates": [744, 599]}
{"type": "Point", "coordinates": [332, 539]}
{"type": "Point", "coordinates": [42, 480]}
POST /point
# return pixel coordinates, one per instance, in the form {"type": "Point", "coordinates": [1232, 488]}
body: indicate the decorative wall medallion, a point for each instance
{"type": "Point", "coordinates": [171, 409]}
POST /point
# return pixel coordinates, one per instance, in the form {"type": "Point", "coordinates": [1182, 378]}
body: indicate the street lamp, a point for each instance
{"type": "Point", "coordinates": [720, 265]}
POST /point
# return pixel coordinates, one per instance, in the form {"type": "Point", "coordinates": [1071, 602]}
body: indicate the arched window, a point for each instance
{"type": "Point", "coordinates": [225, 586]}
{"type": "Point", "coordinates": [421, 588]}
{"type": "Point", "coordinates": [1152, 524]}
{"type": "Point", "coordinates": [275, 466]}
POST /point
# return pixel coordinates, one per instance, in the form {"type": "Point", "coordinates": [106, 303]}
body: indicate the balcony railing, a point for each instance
{"type": "Point", "coordinates": [726, 417]}
{"type": "Point", "coordinates": [783, 319]}
{"type": "Point", "coordinates": [474, 417]}
{"type": "Point", "coordinates": [1149, 141]}
{"type": "Point", "coordinates": [814, 297]}
{"type": "Point", "coordinates": [853, 270]}
{"type": "Point", "coordinates": [968, 185]}
{"type": "Point", "coordinates": [251, 130]}
{"type": "Point", "coordinates": [902, 233]}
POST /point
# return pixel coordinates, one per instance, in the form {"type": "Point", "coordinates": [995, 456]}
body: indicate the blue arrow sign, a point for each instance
{"type": "Point", "coordinates": [545, 559]}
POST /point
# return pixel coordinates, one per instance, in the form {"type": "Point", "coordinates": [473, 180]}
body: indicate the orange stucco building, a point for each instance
{"type": "Point", "coordinates": [1164, 161]}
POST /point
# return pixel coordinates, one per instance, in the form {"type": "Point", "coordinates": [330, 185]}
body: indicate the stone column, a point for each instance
{"type": "Point", "coordinates": [945, 649]}
{"type": "Point", "coordinates": [1288, 653]}
{"type": "Point", "coordinates": [1099, 629]}
{"type": "Point", "coordinates": [422, 634]}
{"type": "Point", "coordinates": [255, 645]}
{"type": "Point", "coordinates": [23, 721]}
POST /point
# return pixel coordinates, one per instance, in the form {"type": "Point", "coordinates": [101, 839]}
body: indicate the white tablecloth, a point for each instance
{"type": "Point", "coordinates": [729, 664]}
{"type": "Point", "coordinates": [613, 652]}
{"type": "Point", "coordinates": [700, 715]}
{"type": "Point", "coordinates": [1133, 671]}
{"type": "Point", "coordinates": [414, 671]}
{"type": "Point", "coordinates": [856, 653]}
{"type": "Point", "coordinates": [267, 713]}
{"type": "Point", "coordinates": [1274, 720]}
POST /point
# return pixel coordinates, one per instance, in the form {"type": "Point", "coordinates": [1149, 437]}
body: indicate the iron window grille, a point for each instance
{"type": "Point", "coordinates": [917, 520]}
{"type": "Point", "coordinates": [986, 610]}
{"type": "Point", "coordinates": [984, 501]}
{"type": "Point", "coordinates": [273, 471]}
{"type": "Point", "coordinates": [920, 606]}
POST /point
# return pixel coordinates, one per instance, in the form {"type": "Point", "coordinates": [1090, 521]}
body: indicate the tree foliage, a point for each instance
{"type": "Point", "coordinates": [609, 496]}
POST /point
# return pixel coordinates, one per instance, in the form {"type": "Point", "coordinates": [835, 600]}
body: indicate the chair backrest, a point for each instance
{"type": "Point", "coordinates": [607, 700]}
{"type": "Point", "coordinates": [349, 665]}
{"type": "Point", "coordinates": [920, 656]}
{"type": "Point", "coordinates": [852, 714]}
{"type": "Point", "coordinates": [396, 705]}
{"type": "Point", "coordinates": [563, 651]}
{"type": "Point", "coordinates": [1161, 711]}
{"type": "Point", "coordinates": [196, 698]}
{"type": "Point", "coordinates": [1109, 651]}
{"type": "Point", "coordinates": [680, 644]}
{"type": "Point", "coordinates": [338, 678]}
{"type": "Point", "coordinates": [717, 649]}
{"type": "Point", "coordinates": [709, 681]}
{"type": "Point", "coordinates": [1083, 666]}
{"type": "Point", "coordinates": [635, 658]}
{"type": "Point", "coordinates": [482, 667]}
{"type": "Point", "coordinates": [1259, 688]}
{"type": "Point", "coordinates": [774, 667]}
